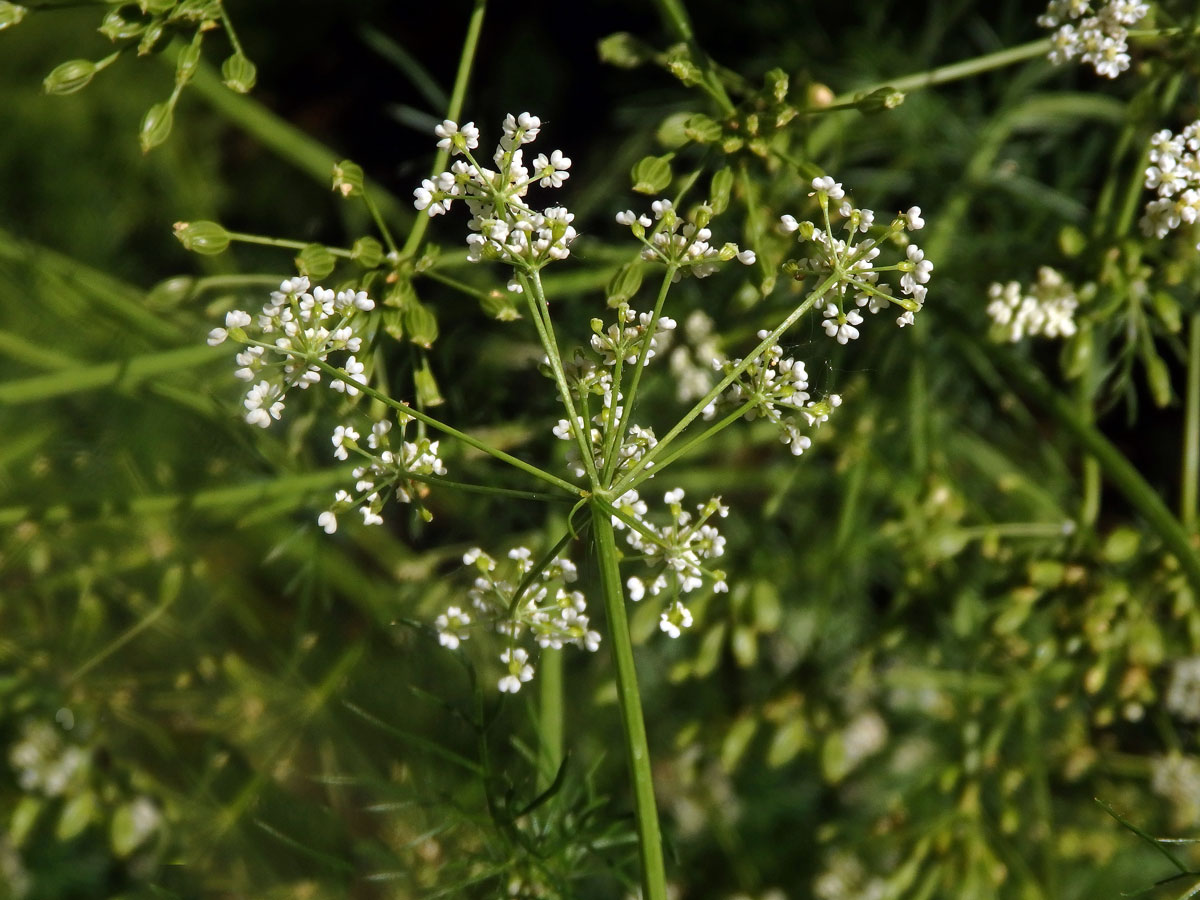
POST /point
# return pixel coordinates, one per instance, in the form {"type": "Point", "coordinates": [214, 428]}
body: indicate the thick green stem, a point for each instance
{"type": "Point", "coordinates": [1191, 430]}
{"type": "Point", "coordinates": [654, 879]}
{"type": "Point", "coordinates": [550, 717]}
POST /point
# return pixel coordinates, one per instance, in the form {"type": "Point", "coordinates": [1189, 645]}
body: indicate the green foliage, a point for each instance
{"type": "Point", "coordinates": [952, 624]}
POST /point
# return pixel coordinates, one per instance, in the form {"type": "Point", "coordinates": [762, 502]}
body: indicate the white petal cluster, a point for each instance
{"type": "Point", "coordinates": [678, 552]}
{"type": "Point", "coordinates": [387, 471]}
{"type": "Point", "coordinates": [548, 611]}
{"type": "Point", "coordinates": [1046, 308]}
{"type": "Point", "coordinates": [777, 385]}
{"type": "Point", "coordinates": [1096, 34]}
{"type": "Point", "coordinates": [503, 226]}
{"type": "Point", "coordinates": [684, 242]}
{"type": "Point", "coordinates": [1183, 690]}
{"type": "Point", "coordinates": [852, 259]}
{"type": "Point", "coordinates": [1173, 174]}
{"type": "Point", "coordinates": [297, 327]}
{"type": "Point", "coordinates": [589, 383]}
{"type": "Point", "coordinates": [46, 764]}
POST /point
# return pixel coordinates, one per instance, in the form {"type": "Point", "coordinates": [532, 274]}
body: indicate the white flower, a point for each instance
{"type": "Point", "coordinates": [519, 670]}
{"type": "Point", "coordinates": [328, 521]}
{"type": "Point", "coordinates": [468, 136]}
{"type": "Point", "coordinates": [913, 220]}
{"type": "Point", "coordinates": [826, 185]}
{"type": "Point", "coordinates": [552, 171]}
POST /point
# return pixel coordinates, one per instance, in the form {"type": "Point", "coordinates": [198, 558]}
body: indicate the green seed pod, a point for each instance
{"type": "Point", "coordinates": [367, 252]}
{"type": "Point", "coordinates": [71, 76]}
{"type": "Point", "coordinates": [11, 14]}
{"type": "Point", "coordinates": [189, 58]}
{"type": "Point", "coordinates": [315, 261]}
{"type": "Point", "coordinates": [206, 238]}
{"type": "Point", "coordinates": [239, 74]}
{"type": "Point", "coordinates": [157, 125]}
{"type": "Point", "coordinates": [116, 27]}
{"type": "Point", "coordinates": [420, 323]}
{"type": "Point", "coordinates": [624, 284]}
{"type": "Point", "coordinates": [624, 51]}
{"type": "Point", "coordinates": [426, 385]}
{"type": "Point", "coordinates": [171, 292]}
{"type": "Point", "coordinates": [156, 7]}
{"type": "Point", "coordinates": [348, 178]}
{"type": "Point", "coordinates": [652, 174]}
{"type": "Point", "coordinates": [150, 38]}
{"type": "Point", "coordinates": [702, 129]}
{"type": "Point", "coordinates": [719, 190]}
{"type": "Point", "coordinates": [499, 305]}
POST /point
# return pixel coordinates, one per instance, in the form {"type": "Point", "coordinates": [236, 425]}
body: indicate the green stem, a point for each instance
{"type": "Point", "coordinates": [550, 717]}
{"type": "Point", "coordinates": [616, 436]}
{"type": "Point", "coordinates": [794, 316]}
{"type": "Point", "coordinates": [677, 19]}
{"type": "Point", "coordinates": [286, 243]}
{"type": "Point", "coordinates": [119, 374]}
{"type": "Point", "coordinates": [453, 112]}
{"type": "Point", "coordinates": [955, 71]}
{"type": "Point", "coordinates": [654, 880]}
{"type": "Point", "coordinates": [1191, 430]}
{"type": "Point", "coordinates": [527, 468]}
{"type": "Point", "coordinates": [539, 311]}
{"type": "Point", "coordinates": [1112, 462]}
{"type": "Point", "coordinates": [695, 441]}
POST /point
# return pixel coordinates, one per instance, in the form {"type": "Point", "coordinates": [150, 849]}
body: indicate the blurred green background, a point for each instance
{"type": "Point", "coordinates": [922, 676]}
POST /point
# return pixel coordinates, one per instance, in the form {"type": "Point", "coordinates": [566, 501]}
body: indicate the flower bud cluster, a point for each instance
{"type": "Point", "coordinates": [387, 471]}
{"type": "Point", "coordinates": [1098, 36]}
{"type": "Point", "coordinates": [295, 329]}
{"type": "Point", "coordinates": [624, 338]}
{"type": "Point", "coordinates": [1047, 308]}
{"type": "Point", "coordinates": [546, 609]}
{"type": "Point", "coordinates": [853, 263]}
{"type": "Point", "coordinates": [678, 551]}
{"type": "Point", "coordinates": [1174, 174]}
{"type": "Point", "coordinates": [777, 386]}
{"type": "Point", "coordinates": [503, 226]}
{"type": "Point", "coordinates": [682, 242]}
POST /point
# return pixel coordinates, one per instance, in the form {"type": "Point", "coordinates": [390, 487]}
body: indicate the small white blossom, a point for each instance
{"type": "Point", "coordinates": [1046, 309]}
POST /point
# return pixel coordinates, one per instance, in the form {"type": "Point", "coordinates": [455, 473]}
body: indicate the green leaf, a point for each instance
{"type": "Point", "coordinates": [76, 816]}
{"type": "Point", "coordinates": [24, 817]}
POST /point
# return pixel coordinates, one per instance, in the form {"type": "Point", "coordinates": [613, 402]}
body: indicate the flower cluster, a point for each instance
{"type": "Point", "coordinates": [1097, 36]}
{"type": "Point", "coordinates": [386, 471]}
{"type": "Point", "coordinates": [1047, 308]}
{"type": "Point", "coordinates": [546, 609]}
{"type": "Point", "coordinates": [298, 327]}
{"type": "Point", "coordinates": [775, 387]}
{"type": "Point", "coordinates": [685, 243]}
{"type": "Point", "coordinates": [503, 225]}
{"type": "Point", "coordinates": [1174, 174]}
{"type": "Point", "coordinates": [851, 262]}
{"type": "Point", "coordinates": [677, 551]}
